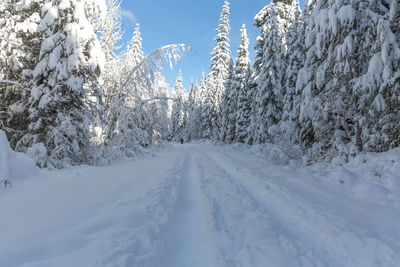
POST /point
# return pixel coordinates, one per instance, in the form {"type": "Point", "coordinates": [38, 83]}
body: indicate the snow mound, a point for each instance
{"type": "Point", "coordinates": [372, 177]}
{"type": "Point", "coordinates": [14, 165]}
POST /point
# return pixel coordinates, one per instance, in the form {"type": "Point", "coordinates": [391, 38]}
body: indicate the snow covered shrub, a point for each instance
{"type": "Point", "coordinates": [38, 153]}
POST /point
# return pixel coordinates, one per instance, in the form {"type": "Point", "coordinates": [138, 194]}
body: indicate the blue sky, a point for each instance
{"type": "Point", "coordinates": [190, 22]}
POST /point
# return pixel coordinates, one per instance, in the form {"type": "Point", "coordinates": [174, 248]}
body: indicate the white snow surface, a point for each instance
{"type": "Point", "coordinates": [206, 205]}
{"type": "Point", "coordinates": [14, 166]}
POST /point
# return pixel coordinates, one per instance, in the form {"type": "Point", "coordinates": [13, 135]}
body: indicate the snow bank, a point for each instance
{"type": "Point", "coordinates": [14, 165]}
{"type": "Point", "coordinates": [372, 177]}
{"type": "Point", "coordinates": [369, 177]}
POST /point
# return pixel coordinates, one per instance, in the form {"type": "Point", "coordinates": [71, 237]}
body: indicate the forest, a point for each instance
{"type": "Point", "coordinates": [285, 154]}
{"type": "Point", "coordinates": [325, 82]}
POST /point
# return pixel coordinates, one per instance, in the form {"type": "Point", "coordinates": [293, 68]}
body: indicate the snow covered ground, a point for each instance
{"type": "Point", "coordinates": [205, 205]}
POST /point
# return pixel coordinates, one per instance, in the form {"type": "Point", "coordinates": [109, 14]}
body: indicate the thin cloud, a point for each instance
{"type": "Point", "coordinates": [126, 14]}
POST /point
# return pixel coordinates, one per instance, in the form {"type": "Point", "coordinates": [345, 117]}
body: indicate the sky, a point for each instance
{"type": "Point", "coordinates": [192, 23]}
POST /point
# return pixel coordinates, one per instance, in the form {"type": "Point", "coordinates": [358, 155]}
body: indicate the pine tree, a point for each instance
{"type": "Point", "coordinates": [64, 100]}
{"type": "Point", "coordinates": [218, 73]}
{"type": "Point", "coordinates": [20, 46]}
{"type": "Point", "coordinates": [245, 108]}
{"type": "Point", "coordinates": [289, 125]}
{"type": "Point", "coordinates": [237, 85]}
{"type": "Point", "coordinates": [378, 89]}
{"type": "Point", "coordinates": [178, 109]}
{"type": "Point", "coordinates": [274, 21]}
{"type": "Point", "coordinates": [228, 97]}
{"type": "Point", "coordinates": [203, 102]}
{"type": "Point", "coordinates": [338, 38]}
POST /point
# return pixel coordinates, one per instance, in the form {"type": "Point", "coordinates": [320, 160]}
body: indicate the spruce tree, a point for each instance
{"type": "Point", "coordinates": [64, 99]}
{"type": "Point", "coordinates": [245, 108]}
{"type": "Point", "coordinates": [274, 21]}
{"type": "Point", "coordinates": [338, 38]}
{"type": "Point", "coordinates": [236, 106]}
{"type": "Point", "coordinates": [378, 89]}
{"type": "Point", "coordinates": [289, 124]}
{"type": "Point", "coordinates": [228, 99]}
{"type": "Point", "coordinates": [178, 109]}
{"type": "Point", "coordinates": [218, 72]}
{"type": "Point", "coordinates": [20, 47]}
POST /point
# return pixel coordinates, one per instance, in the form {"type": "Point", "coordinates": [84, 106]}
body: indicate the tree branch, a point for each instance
{"type": "Point", "coordinates": [15, 84]}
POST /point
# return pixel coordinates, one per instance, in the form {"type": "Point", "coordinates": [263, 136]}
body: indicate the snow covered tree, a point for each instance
{"type": "Point", "coordinates": [236, 106]}
{"type": "Point", "coordinates": [289, 124]}
{"type": "Point", "coordinates": [338, 40]}
{"type": "Point", "coordinates": [228, 99]}
{"type": "Point", "coordinates": [127, 123]}
{"type": "Point", "coordinates": [178, 109]}
{"type": "Point", "coordinates": [108, 27]}
{"type": "Point", "coordinates": [245, 108]}
{"type": "Point", "coordinates": [191, 117]}
{"type": "Point", "coordinates": [218, 73]}
{"type": "Point", "coordinates": [65, 97]}
{"type": "Point", "coordinates": [202, 102]}
{"type": "Point", "coordinates": [378, 89]}
{"type": "Point", "coordinates": [20, 46]}
{"type": "Point", "coordinates": [274, 21]}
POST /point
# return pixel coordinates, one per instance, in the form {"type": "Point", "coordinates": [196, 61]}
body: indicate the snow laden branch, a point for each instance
{"type": "Point", "coordinates": [156, 98]}
{"type": "Point", "coordinates": [13, 83]}
{"type": "Point", "coordinates": [155, 60]}
{"type": "Point", "coordinates": [143, 74]}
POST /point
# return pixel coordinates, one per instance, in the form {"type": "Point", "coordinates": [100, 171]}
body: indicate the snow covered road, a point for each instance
{"type": "Point", "coordinates": [192, 205]}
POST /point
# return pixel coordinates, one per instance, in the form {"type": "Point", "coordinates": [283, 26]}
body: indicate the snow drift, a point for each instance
{"type": "Point", "coordinates": [14, 165]}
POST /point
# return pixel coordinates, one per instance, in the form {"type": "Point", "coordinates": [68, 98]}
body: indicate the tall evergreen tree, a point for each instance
{"type": "Point", "coordinates": [238, 86]}
{"type": "Point", "coordinates": [65, 97]}
{"type": "Point", "coordinates": [227, 100]}
{"type": "Point", "coordinates": [178, 109]}
{"type": "Point", "coordinates": [274, 21]}
{"type": "Point", "coordinates": [339, 36]}
{"type": "Point", "coordinates": [378, 88]}
{"type": "Point", "coordinates": [218, 72]}
{"type": "Point", "coordinates": [245, 108]}
{"type": "Point", "coordinates": [289, 125]}
{"type": "Point", "coordinates": [20, 47]}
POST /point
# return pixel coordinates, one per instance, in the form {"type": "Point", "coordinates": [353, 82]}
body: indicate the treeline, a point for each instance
{"type": "Point", "coordinates": [326, 79]}
{"type": "Point", "coordinates": [67, 95]}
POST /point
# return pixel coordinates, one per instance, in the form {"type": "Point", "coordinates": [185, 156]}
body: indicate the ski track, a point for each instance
{"type": "Point", "coordinates": [186, 239]}
{"type": "Point", "coordinates": [203, 206]}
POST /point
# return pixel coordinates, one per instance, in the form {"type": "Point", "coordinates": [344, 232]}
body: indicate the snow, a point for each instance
{"type": "Point", "coordinates": [346, 14]}
{"type": "Point", "coordinates": [373, 75]}
{"type": "Point", "coordinates": [379, 103]}
{"type": "Point", "coordinates": [14, 166]}
{"type": "Point", "coordinates": [206, 205]}
{"type": "Point", "coordinates": [393, 9]}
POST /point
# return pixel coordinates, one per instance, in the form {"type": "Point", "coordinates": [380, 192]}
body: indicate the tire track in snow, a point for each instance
{"type": "Point", "coordinates": [249, 234]}
{"type": "Point", "coordinates": [327, 235]}
{"type": "Point", "coordinates": [186, 235]}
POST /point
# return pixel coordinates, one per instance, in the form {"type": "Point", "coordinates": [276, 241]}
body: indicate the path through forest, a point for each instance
{"type": "Point", "coordinates": [191, 205]}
